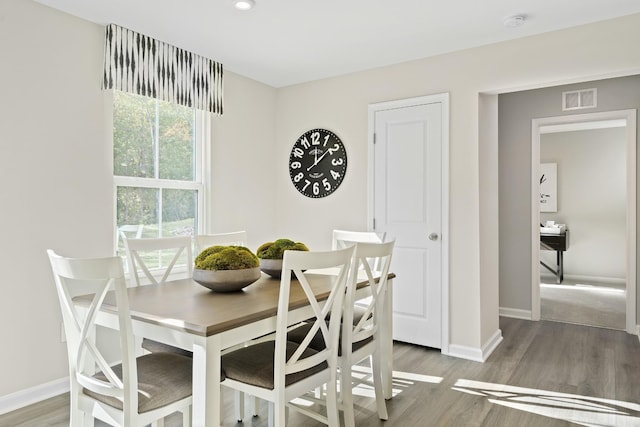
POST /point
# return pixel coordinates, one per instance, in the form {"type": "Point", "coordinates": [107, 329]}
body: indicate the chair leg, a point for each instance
{"type": "Point", "coordinates": [271, 415]}
{"type": "Point", "coordinates": [76, 416]}
{"type": "Point", "coordinates": [186, 417]}
{"type": "Point", "coordinates": [333, 417]}
{"type": "Point", "coordinates": [346, 393]}
{"type": "Point", "coordinates": [376, 367]}
{"type": "Point", "coordinates": [278, 415]}
{"type": "Point", "coordinates": [239, 405]}
{"type": "Point", "coordinates": [255, 406]}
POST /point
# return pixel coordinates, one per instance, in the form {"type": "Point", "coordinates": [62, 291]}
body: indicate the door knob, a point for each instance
{"type": "Point", "coordinates": [433, 236]}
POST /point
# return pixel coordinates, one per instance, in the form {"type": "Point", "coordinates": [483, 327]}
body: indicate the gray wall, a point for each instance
{"type": "Point", "coordinates": [516, 110]}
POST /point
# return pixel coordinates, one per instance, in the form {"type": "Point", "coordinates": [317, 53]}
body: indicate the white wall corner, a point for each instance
{"type": "Point", "coordinates": [474, 353]}
{"type": "Point", "coordinates": [491, 345]}
{"type": "Point", "coordinates": [22, 398]}
{"type": "Point", "coordinates": [515, 313]}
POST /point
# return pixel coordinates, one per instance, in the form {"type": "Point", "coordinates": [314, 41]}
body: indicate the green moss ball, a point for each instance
{"type": "Point", "coordinates": [226, 258]}
{"type": "Point", "coordinates": [275, 250]}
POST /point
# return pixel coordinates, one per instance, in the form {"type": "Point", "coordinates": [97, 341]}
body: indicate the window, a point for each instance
{"type": "Point", "coordinates": [157, 167]}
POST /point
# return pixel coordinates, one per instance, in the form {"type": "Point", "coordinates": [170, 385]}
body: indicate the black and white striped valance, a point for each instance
{"type": "Point", "coordinates": [139, 64]}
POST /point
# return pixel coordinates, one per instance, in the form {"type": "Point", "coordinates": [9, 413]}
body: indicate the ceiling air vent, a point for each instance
{"type": "Point", "coordinates": [579, 99]}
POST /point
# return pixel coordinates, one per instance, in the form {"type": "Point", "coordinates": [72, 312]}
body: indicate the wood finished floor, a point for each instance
{"type": "Point", "coordinates": [542, 374]}
{"type": "Point", "coordinates": [584, 303]}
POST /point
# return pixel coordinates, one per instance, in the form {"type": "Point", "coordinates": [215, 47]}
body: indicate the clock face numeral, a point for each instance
{"type": "Point", "coordinates": [318, 163]}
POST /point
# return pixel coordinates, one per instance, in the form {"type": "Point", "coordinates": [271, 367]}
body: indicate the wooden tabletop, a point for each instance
{"type": "Point", "coordinates": [189, 306]}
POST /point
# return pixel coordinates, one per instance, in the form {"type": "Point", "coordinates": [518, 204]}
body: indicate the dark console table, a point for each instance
{"type": "Point", "coordinates": [558, 243]}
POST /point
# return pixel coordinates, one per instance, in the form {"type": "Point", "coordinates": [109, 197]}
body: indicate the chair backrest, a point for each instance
{"type": "Point", "coordinates": [163, 252]}
{"type": "Point", "coordinates": [367, 255]}
{"type": "Point", "coordinates": [95, 276]}
{"type": "Point", "coordinates": [127, 231]}
{"type": "Point", "coordinates": [300, 263]}
{"type": "Point", "coordinates": [344, 238]}
{"type": "Point", "coordinates": [236, 238]}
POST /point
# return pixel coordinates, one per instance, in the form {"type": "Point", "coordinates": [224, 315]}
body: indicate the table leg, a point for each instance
{"type": "Point", "coordinates": [206, 383]}
{"type": "Point", "coordinates": [560, 267]}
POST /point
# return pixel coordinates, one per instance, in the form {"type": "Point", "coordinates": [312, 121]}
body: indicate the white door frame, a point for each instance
{"type": "Point", "coordinates": [536, 124]}
{"type": "Point", "coordinates": [410, 102]}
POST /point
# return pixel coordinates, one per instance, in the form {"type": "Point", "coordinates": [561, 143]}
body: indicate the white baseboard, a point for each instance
{"type": "Point", "coordinates": [515, 313]}
{"type": "Point", "coordinates": [489, 347]}
{"type": "Point", "coordinates": [476, 354]}
{"type": "Point", "coordinates": [589, 279]}
{"type": "Point", "coordinates": [23, 398]}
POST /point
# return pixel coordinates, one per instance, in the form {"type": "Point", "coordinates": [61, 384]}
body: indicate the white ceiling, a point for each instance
{"type": "Point", "coordinates": [284, 42]}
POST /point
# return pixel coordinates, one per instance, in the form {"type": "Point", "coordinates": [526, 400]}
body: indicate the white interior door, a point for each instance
{"type": "Point", "coordinates": [408, 197]}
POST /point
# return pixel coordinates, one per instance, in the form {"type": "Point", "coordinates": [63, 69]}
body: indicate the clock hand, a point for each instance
{"type": "Point", "coordinates": [318, 160]}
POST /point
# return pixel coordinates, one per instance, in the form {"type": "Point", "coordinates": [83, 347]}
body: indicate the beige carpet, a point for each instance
{"type": "Point", "coordinates": [583, 303]}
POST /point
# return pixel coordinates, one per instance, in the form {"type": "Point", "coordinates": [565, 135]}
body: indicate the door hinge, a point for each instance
{"type": "Point", "coordinates": [374, 223]}
{"type": "Point", "coordinates": [374, 137]}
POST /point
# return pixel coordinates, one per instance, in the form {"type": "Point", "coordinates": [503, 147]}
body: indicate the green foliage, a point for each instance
{"type": "Point", "coordinates": [275, 250]}
{"type": "Point", "coordinates": [226, 258]}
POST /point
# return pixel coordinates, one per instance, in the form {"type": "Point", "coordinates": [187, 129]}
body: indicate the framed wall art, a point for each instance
{"type": "Point", "coordinates": [548, 187]}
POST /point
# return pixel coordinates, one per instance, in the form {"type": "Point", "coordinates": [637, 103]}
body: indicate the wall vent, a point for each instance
{"type": "Point", "coordinates": [579, 99]}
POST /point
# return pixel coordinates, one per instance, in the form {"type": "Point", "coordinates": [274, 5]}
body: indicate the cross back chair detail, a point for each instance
{"type": "Point", "coordinates": [136, 392]}
{"type": "Point", "coordinates": [279, 370]}
{"type": "Point", "coordinates": [127, 230]}
{"type": "Point", "coordinates": [235, 238]}
{"type": "Point", "coordinates": [344, 238]}
{"type": "Point", "coordinates": [361, 322]}
{"type": "Point", "coordinates": [176, 246]}
{"type": "Point", "coordinates": [361, 328]}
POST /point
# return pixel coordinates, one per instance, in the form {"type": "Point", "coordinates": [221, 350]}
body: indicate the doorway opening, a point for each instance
{"type": "Point", "coordinates": [573, 286]}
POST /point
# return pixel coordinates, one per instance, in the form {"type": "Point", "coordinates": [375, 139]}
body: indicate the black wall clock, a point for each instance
{"type": "Point", "coordinates": [317, 163]}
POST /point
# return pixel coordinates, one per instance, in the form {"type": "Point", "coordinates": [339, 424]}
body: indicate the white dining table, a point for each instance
{"type": "Point", "coordinates": [187, 315]}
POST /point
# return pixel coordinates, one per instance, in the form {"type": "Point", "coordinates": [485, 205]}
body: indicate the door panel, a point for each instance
{"type": "Point", "coordinates": [408, 206]}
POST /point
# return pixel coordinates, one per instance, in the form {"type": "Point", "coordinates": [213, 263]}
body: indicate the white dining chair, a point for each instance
{"type": "Point", "coordinates": [344, 238]}
{"type": "Point", "coordinates": [154, 261]}
{"type": "Point", "coordinates": [128, 230]}
{"type": "Point", "coordinates": [135, 392]}
{"type": "Point", "coordinates": [278, 370]}
{"type": "Point", "coordinates": [142, 252]}
{"type": "Point", "coordinates": [235, 238]}
{"type": "Point", "coordinates": [359, 337]}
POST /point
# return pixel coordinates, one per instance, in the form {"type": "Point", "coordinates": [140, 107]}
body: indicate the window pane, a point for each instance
{"type": "Point", "coordinates": [152, 139]}
{"type": "Point", "coordinates": [177, 143]}
{"type": "Point", "coordinates": [138, 206]}
{"type": "Point", "coordinates": [179, 208]}
{"type": "Point", "coordinates": [134, 131]}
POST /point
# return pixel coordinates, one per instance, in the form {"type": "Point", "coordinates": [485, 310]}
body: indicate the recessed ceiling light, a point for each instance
{"type": "Point", "coordinates": [514, 21]}
{"type": "Point", "coordinates": [244, 4]}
